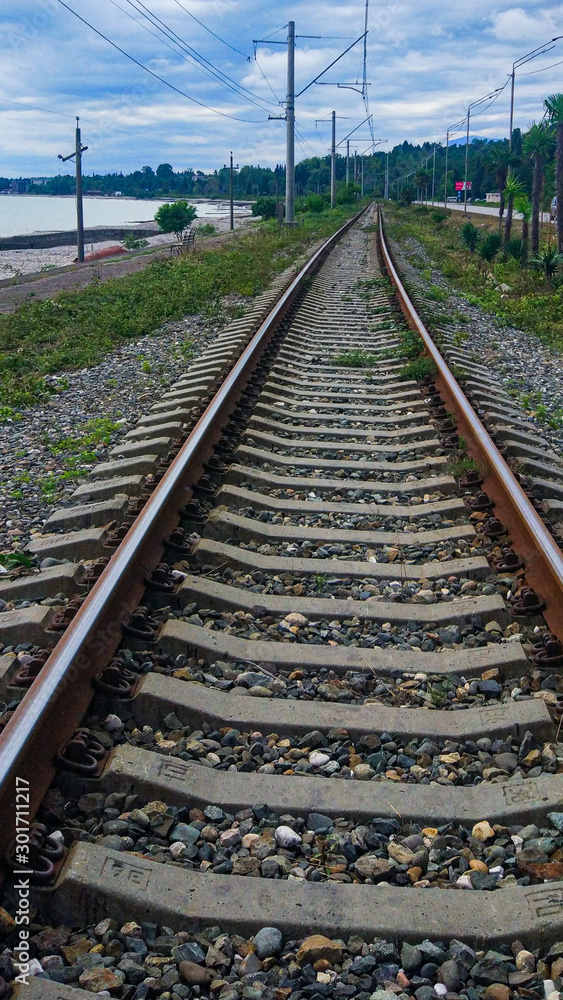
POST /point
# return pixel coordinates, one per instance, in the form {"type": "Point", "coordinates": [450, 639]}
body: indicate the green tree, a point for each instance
{"type": "Point", "coordinates": [554, 107]}
{"type": "Point", "coordinates": [538, 143]}
{"type": "Point", "coordinates": [175, 217]}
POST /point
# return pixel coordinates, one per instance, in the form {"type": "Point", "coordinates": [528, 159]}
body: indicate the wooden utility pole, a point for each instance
{"type": "Point", "coordinates": [77, 156]}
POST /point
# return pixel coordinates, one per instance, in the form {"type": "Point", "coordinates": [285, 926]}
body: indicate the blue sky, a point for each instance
{"type": "Point", "coordinates": [426, 62]}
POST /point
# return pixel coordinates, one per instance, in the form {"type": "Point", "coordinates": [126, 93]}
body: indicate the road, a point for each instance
{"type": "Point", "coordinates": [478, 209]}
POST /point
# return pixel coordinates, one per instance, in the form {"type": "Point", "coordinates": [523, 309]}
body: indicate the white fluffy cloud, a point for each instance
{"type": "Point", "coordinates": [426, 62]}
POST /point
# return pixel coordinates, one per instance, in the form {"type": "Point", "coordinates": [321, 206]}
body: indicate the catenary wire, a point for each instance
{"type": "Point", "coordinates": [194, 100]}
{"type": "Point", "coordinates": [218, 37]}
{"type": "Point", "coordinates": [203, 63]}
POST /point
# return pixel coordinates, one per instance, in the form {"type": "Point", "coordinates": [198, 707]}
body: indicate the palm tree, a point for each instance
{"type": "Point", "coordinates": [523, 205]}
{"type": "Point", "coordinates": [554, 107]}
{"type": "Point", "coordinates": [512, 189]}
{"type": "Point", "coordinates": [538, 143]}
{"type": "Point", "coordinates": [500, 162]}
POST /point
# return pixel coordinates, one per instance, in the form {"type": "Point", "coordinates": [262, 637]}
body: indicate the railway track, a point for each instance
{"type": "Point", "coordinates": [283, 698]}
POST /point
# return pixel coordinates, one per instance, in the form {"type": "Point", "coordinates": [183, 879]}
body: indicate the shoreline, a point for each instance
{"type": "Point", "coordinates": [37, 260]}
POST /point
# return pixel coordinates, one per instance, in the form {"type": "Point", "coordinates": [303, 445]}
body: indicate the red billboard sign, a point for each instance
{"type": "Point", "coordinates": [460, 185]}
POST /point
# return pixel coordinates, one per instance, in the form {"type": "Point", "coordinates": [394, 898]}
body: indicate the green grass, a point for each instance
{"type": "Point", "coordinates": [78, 329]}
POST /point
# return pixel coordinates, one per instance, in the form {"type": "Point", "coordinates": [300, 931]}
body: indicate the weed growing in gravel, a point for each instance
{"type": "Point", "coordinates": [15, 560]}
{"type": "Point", "coordinates": [435, 293]}
{"type": "Point", "coordinates": [459, 466]}
{"type": "Point", "coordinates": [319, 582]}
{"type": "Point", "coordinates": [355, 359]}
{"type": "Point", "coordinates": [8, 413]}
{"type": "Point", "coordinates": [95, 432]}
{"type": "Point", "coordinates": [417, 370]}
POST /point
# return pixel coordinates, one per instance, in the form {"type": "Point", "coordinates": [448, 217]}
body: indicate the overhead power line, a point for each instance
{"type": "Point", "coordinates": [194, 100]}
{"type": "Point", "coordinates": [218, 37]}
{"type": "Point", "coordinates": [205, 64]}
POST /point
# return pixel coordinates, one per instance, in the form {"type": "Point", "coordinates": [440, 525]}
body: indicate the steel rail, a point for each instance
{"type": "Point", "coordinates": [53, 708]}
{"type": "Point", "coordinates": [542, 558]}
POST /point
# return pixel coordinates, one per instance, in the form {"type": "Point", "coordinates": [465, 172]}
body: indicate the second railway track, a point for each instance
{"type": "Point", "coordinates": [298, 736]}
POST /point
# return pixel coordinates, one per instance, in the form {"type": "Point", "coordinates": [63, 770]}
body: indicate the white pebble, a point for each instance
{"type": "Point", "coordinates": [112, 723]}
{"type": "Point", "coordinates": [440, 989]}
{"type": "Point", "coordinates": [177, 850]}
{"type": "Point", "coordinates": [318, 759]}
{"type": "Point", "coordinates": [286, 837]}
{"type": "Point", "coordinates": [464, 881]}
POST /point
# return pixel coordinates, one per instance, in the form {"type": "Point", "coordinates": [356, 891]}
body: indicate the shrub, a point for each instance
{"type": "Point", "coordinates": [469, 237]}
{"type": "Point", "coordinates": [132, 242]}
{"type": "Point", "coordinates": [514, 248]}
{"type": "Point", "coordinates": [315, 203]}
{"type": "Point", "coordinates": [205, 229]}
{"type": "Point", "coordinates": [490, 246]}
{"type": "Point", "coordinates": [265, 207]}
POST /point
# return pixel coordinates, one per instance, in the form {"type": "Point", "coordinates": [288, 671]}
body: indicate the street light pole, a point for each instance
{"type": "Point", "coordinates": [540, 50]}
{"type": "Point", "coordinates": [470, 106]}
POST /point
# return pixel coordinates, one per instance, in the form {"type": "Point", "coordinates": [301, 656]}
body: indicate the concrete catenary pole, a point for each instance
{"type": "Point", "coordinates": [347, 162]}
{"type": "Point", "coordinates": [333, 162]}
{"type": "Point", "coordinates": [231, 207]}
{"type": "Point", "coordinates": [290, 128]}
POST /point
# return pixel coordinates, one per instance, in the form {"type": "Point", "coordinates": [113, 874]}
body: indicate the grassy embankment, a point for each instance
{"type": "Point", "coordinates": [527, 304]}
{"type": "Point", "coordinates": [78, 329]}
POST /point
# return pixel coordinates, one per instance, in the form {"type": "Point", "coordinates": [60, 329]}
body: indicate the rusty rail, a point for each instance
{"type": "Point", "coordinates": [542, 558]}
{"type": "Point", "coordinates": [54, 706]}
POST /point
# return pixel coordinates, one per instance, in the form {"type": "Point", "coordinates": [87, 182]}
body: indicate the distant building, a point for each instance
{"type": "Point", "coordinates": [20, 186]}
{"type": "Point", "coordinates": [492, 198]}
